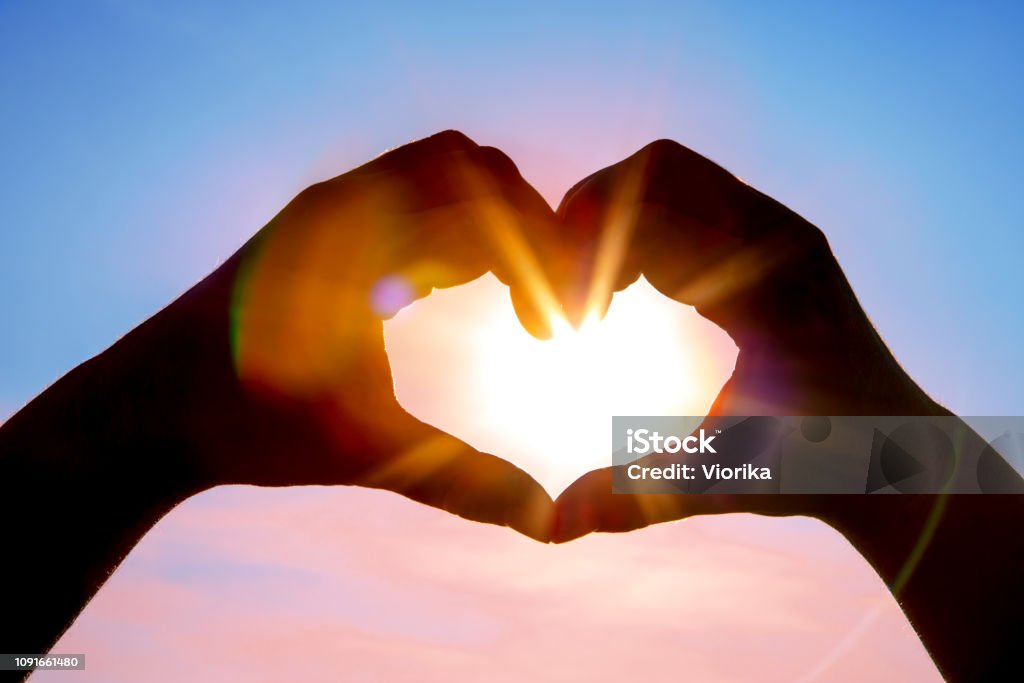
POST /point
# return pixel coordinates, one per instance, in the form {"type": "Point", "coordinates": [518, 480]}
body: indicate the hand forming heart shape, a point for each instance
{"type": "Point", "coordinates": [302, 393]}
{"type": "Point", "coordinates": [272, 371]}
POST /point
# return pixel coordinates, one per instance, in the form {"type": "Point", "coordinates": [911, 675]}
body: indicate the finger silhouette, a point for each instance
{"type": "Point", "coordinates": [458, 210]}
{"type": "Point", "coordinates": [589, 505]}
{"type": "Point", "coordinates": [432, 467]}
{"type": "Point", "coordinates": [703, 237]}
{"type": "Point", "coordinates": [529, 247]}
{"type": "Point", "coordinates": [316, 403]}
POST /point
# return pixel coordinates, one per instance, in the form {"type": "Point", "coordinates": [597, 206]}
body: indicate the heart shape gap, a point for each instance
{"type": "Point", "coordinates": [462, 362]}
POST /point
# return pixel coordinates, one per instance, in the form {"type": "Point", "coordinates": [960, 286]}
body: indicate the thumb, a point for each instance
{"type": "Point", "coordinates": [434, 468]}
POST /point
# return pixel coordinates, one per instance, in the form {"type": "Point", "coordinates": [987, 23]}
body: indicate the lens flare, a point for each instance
{"type": "Point", "coordinates": [391, 294]}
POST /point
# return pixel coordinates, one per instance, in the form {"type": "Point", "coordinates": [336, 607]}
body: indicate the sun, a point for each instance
{"type": "Point", "coordinates": [467, 366]}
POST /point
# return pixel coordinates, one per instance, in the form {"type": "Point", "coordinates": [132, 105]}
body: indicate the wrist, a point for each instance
{"type": "Point", "coordinates": [135, 404]}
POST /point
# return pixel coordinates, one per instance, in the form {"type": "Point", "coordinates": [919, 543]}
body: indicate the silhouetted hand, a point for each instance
{"type": "Point", "coordinates": [304, 394]}
{"type": "Point", "coordinates": [272, 371]}
{"type": "Point", "coordinates": [767, 277]}
{"type": "Point", "coordinates": [762, 273]}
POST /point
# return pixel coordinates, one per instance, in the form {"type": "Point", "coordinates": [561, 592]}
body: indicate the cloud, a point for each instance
{"type": "Point", "coordinates": [326, 584]}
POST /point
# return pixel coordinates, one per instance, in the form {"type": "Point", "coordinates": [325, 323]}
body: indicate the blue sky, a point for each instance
{"type": "Point", "coordinates": [142, 142]}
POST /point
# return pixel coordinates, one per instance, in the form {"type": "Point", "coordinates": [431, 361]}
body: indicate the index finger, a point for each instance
{"type": "Point", "coordinates": [457, 210]}
{"type": "Point", "coordinates": [698, 233]}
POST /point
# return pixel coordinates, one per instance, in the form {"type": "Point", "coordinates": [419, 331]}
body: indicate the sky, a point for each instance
{"type": "Point", "coordinates": [143, 142]}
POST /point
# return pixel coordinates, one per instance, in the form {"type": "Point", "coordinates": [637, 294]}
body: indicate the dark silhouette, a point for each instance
{"type": "Point", "coordinates": [272, 371]}
{"type": "Point", "coordinates": [769, 279]}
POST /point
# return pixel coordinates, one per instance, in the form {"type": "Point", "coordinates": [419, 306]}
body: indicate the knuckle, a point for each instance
{"type": "Point", "coordinates": [422, 151]}
{"type": "Point", "coordinates": [662, 147]}
{"type": "Point", "coordinates": [312, 196]}
{"type": "Point", "coordinates": [498, 162]}
{"type": "Point", "coordinates": [449, 140]}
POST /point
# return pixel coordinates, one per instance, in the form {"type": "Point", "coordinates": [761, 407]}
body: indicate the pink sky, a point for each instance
{"type": "Point", "coordinates": [321, 584]}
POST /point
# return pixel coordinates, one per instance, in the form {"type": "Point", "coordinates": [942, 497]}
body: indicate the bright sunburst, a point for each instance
{"type": "Point", "coordinates": [462, 362]}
